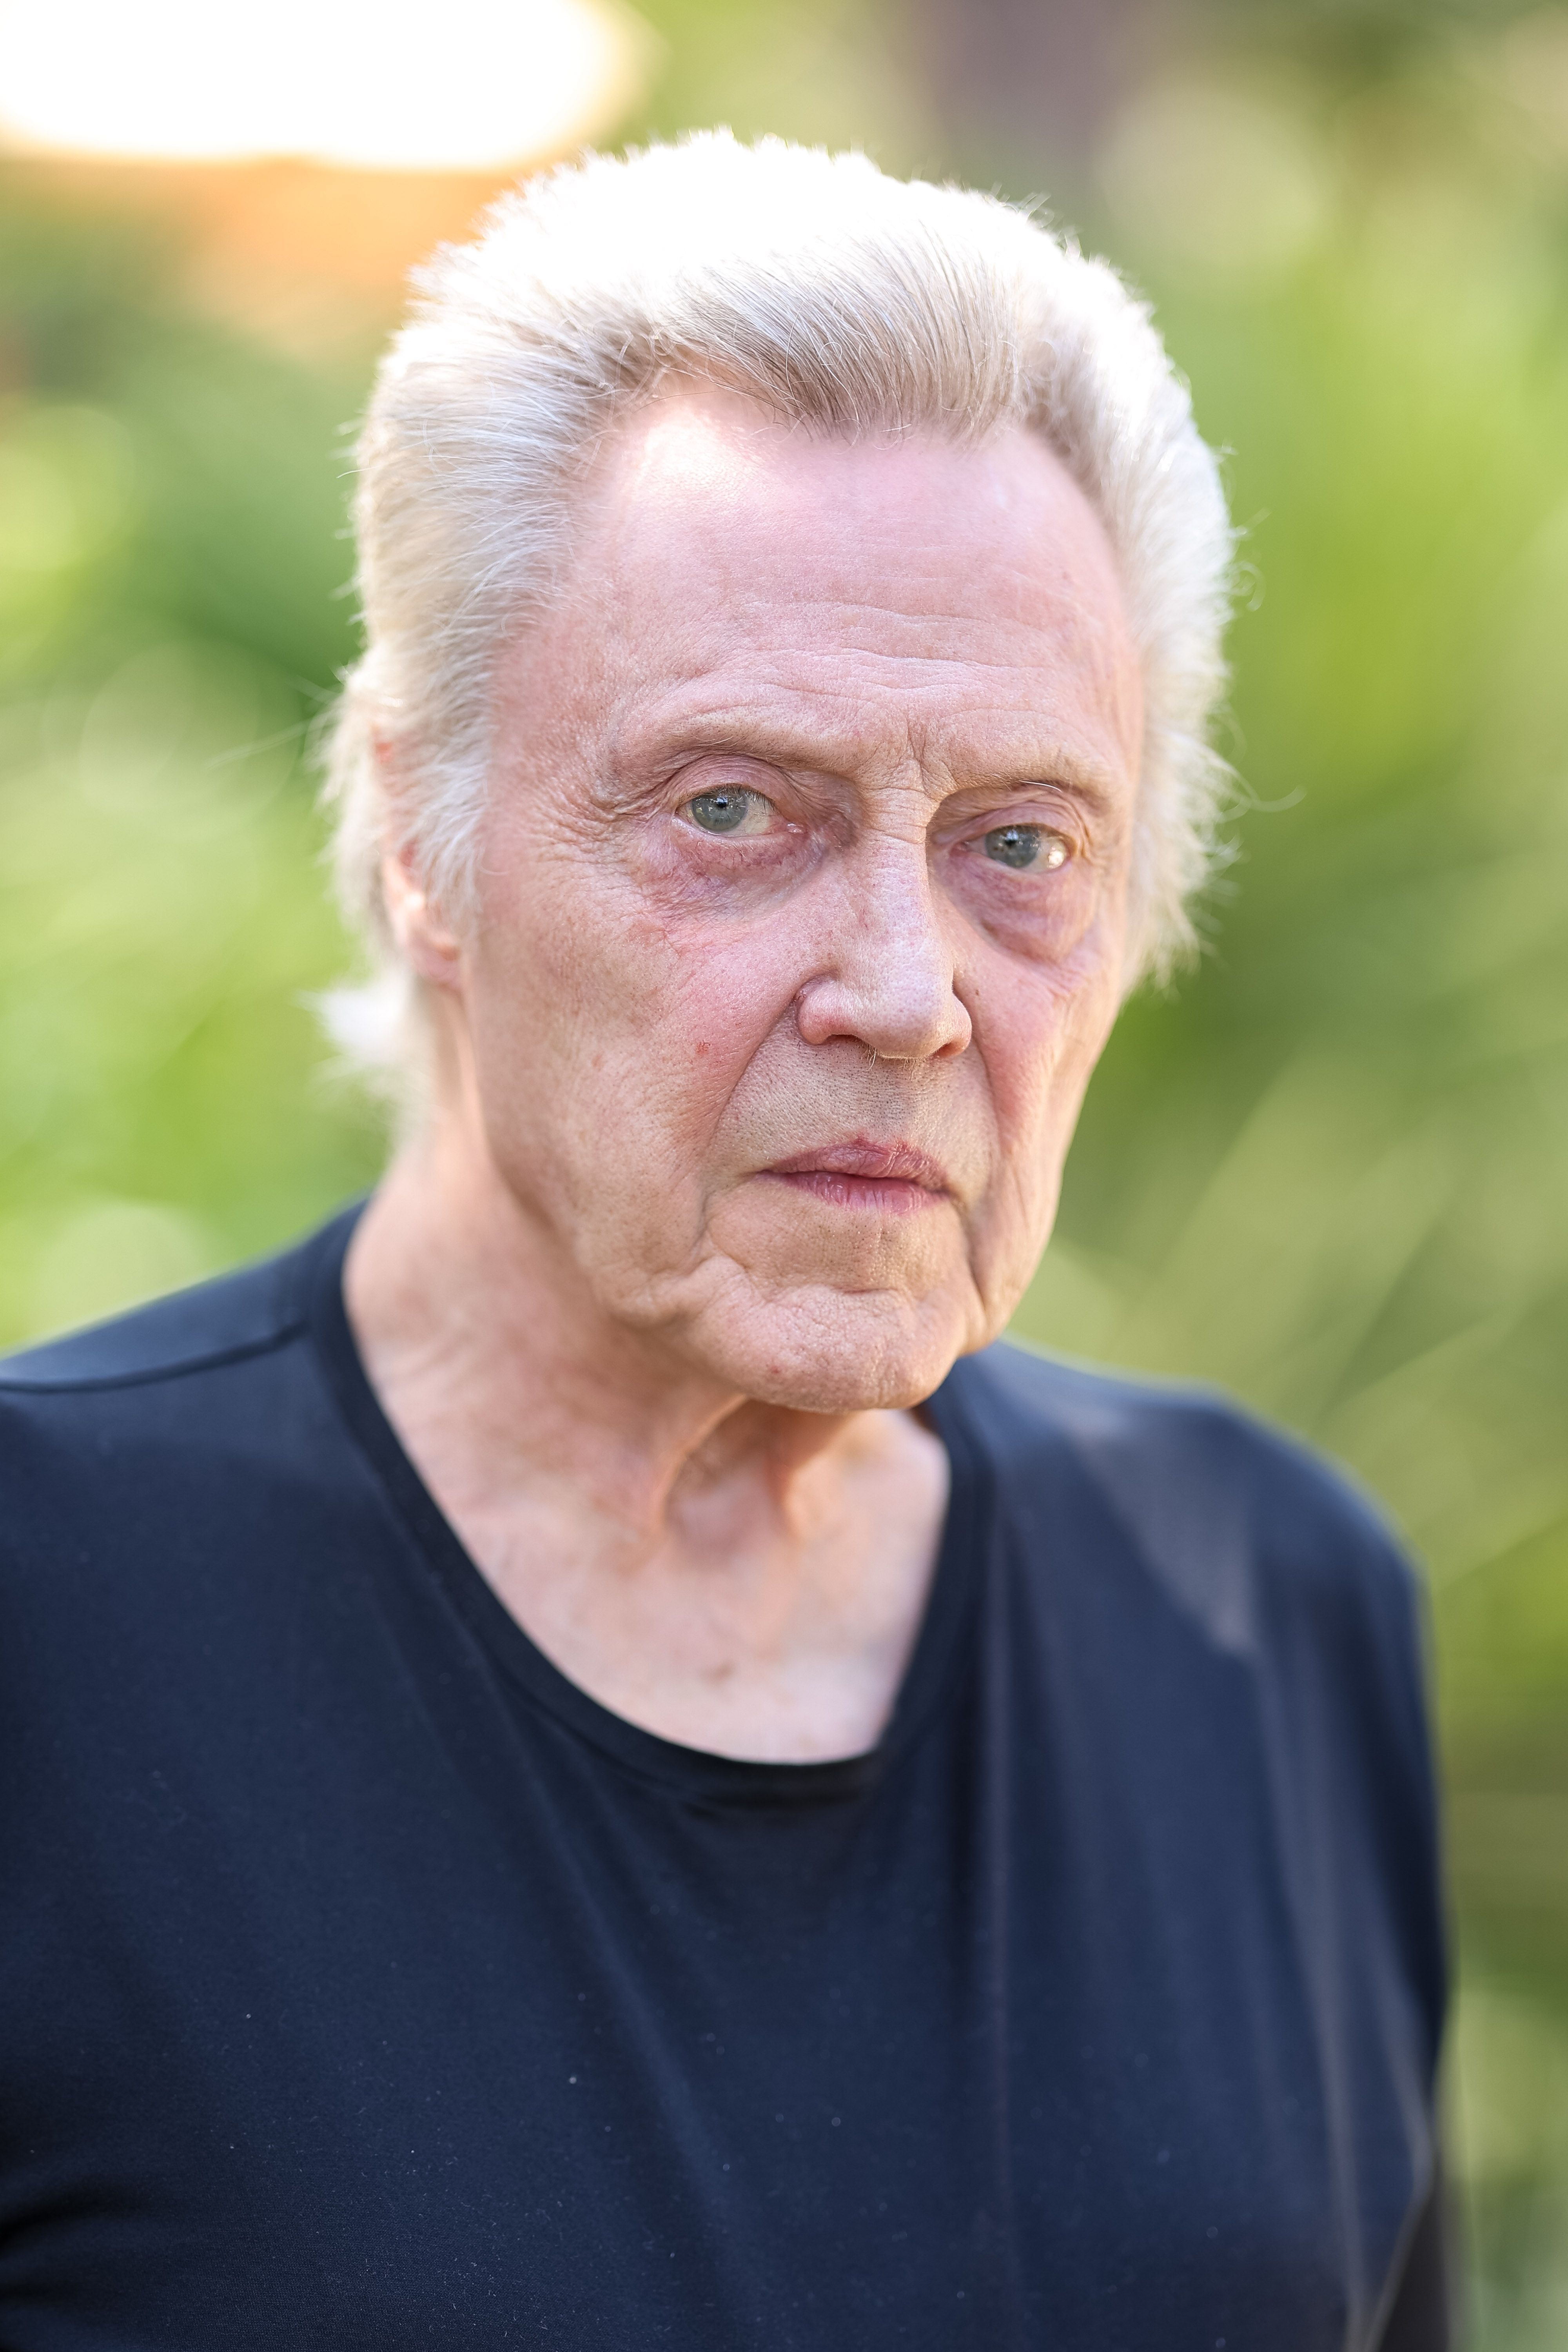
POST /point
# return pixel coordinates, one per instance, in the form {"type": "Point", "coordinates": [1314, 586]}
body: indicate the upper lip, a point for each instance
{"type": "Point", "coordinates": [892, 1163]}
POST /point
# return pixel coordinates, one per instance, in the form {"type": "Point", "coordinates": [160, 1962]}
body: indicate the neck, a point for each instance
{"type": "Point", "coordinates": [454, 1292]}
{"type": "Point", "coordinates": [735, 1576]}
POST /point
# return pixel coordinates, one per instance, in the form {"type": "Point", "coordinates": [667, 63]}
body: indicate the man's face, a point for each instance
{"type": "Point", "coordinates": [802, 894]}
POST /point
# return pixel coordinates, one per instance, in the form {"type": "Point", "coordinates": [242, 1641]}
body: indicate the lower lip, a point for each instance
{"type": "Point", "coordinates": [886, 1196]}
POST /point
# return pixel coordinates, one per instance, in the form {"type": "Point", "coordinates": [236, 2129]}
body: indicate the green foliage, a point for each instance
{"type": "Point", "coordinates": [171, 554]}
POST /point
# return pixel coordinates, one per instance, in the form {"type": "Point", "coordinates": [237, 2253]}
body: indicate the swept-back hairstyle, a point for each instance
{"type": "Point", "coordinates": [843, 300]}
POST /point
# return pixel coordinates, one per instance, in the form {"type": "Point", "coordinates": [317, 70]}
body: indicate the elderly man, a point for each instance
{"type": "Point", "coordinates": [589, 1763]}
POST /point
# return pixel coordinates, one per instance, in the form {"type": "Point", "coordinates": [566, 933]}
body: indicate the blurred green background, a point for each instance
{"type": "Point", "coordinates": [1330, 1172]}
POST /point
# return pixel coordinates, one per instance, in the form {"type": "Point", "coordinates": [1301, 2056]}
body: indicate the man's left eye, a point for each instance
{"type": "Point", "coordinates": [1025, 846]}
{"type": "Point", "coordinates": [732, 809]}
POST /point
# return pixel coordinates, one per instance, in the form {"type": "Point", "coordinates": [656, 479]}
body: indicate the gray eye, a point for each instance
{"type": "Point", "coordinates": [1021, 845]}
{"type": "Point", "coordinates": [721, 812]}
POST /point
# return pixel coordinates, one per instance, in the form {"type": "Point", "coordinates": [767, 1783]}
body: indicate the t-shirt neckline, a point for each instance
{"type": "Point", "coordinates": [935, 1664]}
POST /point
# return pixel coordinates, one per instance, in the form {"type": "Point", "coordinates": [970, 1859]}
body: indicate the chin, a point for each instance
{"type": "Point", "coordinates": [829, 1351]}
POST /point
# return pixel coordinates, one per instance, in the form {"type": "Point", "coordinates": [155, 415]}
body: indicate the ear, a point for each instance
{"type": "Point", "coordinates": [423, 939]}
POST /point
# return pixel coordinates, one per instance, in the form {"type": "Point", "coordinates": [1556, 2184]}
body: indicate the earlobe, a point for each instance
{"type": "Point", "coordinates": [422, 938]}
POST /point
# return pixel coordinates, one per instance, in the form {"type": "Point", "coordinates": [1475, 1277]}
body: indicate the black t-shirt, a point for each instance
{"type": "Point", "coordinates": [365, 1984]}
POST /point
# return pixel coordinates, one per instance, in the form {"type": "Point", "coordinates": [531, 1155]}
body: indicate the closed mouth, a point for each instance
{"type": "Point", "coordinates": [893, 1177]}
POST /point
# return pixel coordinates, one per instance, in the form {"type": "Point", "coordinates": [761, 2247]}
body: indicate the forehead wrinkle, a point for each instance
{"type": "Point", "coordinates": [1041, 680]}
{"type": "Point", "coordinates": [999, 673]}
{"type": "Point", "coordinates": [1005, 639]}
{"type": "Point", "coordinates": [1058, 672]}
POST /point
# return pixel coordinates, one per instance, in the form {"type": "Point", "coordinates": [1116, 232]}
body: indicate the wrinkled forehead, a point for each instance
{"type": "Point", "coordinates": [714, 478]}
{"type": "Point", "coordinates": [722, 555]}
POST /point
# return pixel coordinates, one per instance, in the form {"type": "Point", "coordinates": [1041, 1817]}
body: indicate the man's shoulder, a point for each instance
{"type": "Point", "coordinates": [1228, 1511]}
{"type": "Point", "coordinates": [134, 1451]}
{"type": "Point", "coordinates": [1128, 1422]}
{"type": "Point", "coordinates": [235, 1318]}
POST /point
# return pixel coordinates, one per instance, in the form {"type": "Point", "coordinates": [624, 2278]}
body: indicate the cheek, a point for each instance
{"type": "Point", "coordinates": [1042, 1038]}
{"type": "Point", "coordinates": [1042, 1029]}
{"type": "Point", "coordinates": [597, 1026]}
{"type": "Point", "coordinates": [563, 959]}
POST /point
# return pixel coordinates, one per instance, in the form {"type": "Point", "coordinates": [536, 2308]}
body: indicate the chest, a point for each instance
{"type": "Point", "coordinates": [575, 2058]}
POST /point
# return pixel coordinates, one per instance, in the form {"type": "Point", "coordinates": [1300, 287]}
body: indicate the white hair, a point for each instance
{"type": "Point", "coordinates": [839, 299]}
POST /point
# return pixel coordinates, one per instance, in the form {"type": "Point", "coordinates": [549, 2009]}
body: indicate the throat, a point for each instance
{"type": "Point", "coordinates": [737, 1577]}
{"type": "Point", "coordinates": [736, 1633]}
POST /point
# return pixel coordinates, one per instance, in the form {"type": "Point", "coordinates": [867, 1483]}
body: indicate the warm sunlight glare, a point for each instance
{"type": "Point", "coordinates": [469, 85]}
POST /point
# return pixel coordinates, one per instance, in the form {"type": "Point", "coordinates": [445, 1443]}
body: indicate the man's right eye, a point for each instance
{"type": "Point", "coordinates": [731, 810]}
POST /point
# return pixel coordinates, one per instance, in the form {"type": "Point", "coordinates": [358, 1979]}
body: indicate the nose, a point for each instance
{"type": "Point", "coordinates": [889, 978]}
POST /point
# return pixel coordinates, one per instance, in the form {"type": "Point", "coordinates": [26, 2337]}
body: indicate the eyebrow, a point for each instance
{"type": "Point", "coordinates": [650, 748]}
